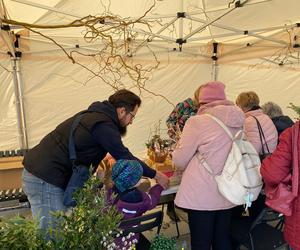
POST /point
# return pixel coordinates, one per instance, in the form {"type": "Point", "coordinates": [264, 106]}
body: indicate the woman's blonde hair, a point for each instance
{"type": "Point", "coordinates": [247, 100]}
{"type": "Point", "coordinates": [196, 96]}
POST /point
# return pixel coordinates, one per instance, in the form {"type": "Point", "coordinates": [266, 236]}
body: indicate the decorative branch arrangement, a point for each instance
{"type": "Point", "coordinates": [112, 60]}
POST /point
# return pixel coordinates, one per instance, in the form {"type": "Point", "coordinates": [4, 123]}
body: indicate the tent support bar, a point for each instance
{"type": "Point", "coordinates": [152, 34]}
{"type": "Point", "coordinates": [23, 139]}
{"type": "Point", "coordinates": [252, 44]}
{"type": "Point", "coordinates": [243, 32]}
{"type": "Point", "coordinates": [164, 27]}
{"type": "Point", "coordinates": [205, 23]}
{"type": "Point", "coordinates": [221, 8]}
{"type": "Point", "coordinates": [67, 45]}
{"type": "Point", "coordinates": [238, 32]}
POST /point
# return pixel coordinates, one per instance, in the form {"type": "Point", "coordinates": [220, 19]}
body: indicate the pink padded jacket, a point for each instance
{"type": "Point", "coordinates": [203, 136]}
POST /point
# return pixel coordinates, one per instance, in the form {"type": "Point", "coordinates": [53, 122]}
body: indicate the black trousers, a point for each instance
{"type": "Point", "coordinates": [210, 229]}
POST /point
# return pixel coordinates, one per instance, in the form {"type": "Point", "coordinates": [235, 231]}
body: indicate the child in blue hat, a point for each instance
{"type": "Point", "coordinates": [130, 201]}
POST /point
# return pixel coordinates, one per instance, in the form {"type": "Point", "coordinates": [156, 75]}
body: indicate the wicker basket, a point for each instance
{"type": "Point", "coordinates": [157, 157]}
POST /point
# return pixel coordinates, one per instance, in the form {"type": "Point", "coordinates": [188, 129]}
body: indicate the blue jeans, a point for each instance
{"type": "Point", "coordinates": [44, 198]}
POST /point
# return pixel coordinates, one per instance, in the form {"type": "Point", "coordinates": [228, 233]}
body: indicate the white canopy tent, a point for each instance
{"type": "Point", "coordinates": [249, 45]}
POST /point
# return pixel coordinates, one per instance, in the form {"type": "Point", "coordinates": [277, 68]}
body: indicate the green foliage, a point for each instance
{"type": "Point", "coordinates": [161, 242]}
{"type": "Point", "coordinates": [21, 233]}
{"type": "Point", "coordinates": [92, 224]}
{"type": "Point", "coordinates": [296, 109]}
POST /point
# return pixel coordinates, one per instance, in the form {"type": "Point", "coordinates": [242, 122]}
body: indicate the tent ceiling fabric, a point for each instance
{"type": "Point", "coordinates": [258, 23]}
{"type": "Point", "coordinates": [255, 14]}
{"type": "Point", "coordinates": [54, 88]}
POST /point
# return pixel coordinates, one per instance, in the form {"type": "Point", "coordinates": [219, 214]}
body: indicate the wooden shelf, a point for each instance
{"type": "Point", "coordinates": [11, 172]}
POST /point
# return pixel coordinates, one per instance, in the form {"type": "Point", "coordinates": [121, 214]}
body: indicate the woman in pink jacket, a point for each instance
{"type": "Point", "coordinates": [249, 103]}
{"type": "Point", "coordinates": [209, 213]}
{"type": "Point", "coordinates": [275, 169]}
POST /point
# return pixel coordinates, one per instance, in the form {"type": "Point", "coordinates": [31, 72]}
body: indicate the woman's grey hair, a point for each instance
{"type": "Point", "coordinates": [272, 109]}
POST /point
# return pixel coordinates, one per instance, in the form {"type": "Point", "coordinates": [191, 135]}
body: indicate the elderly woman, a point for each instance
{"type": "Point", "coordinates": [280, 121]}
{"type": "Point", "coordinates": [249, 103]}
{"type": "Point", "coordinates": [209, 213]}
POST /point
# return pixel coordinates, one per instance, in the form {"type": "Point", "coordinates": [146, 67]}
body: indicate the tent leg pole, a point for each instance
{"type": "Point", "coordinates": [214, 71]}
{"type": "Point", "coordinates": [23, 139]}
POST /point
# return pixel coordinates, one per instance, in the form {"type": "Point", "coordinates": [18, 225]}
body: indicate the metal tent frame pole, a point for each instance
{"type": "Point", "coordinates": [23, 138]}
{"type": "Point", "coordinates": [214, 71]}
{"type": "Point", "coordinates": [12, 44]}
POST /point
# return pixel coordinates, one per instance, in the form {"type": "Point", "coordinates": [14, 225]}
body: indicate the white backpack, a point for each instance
{"type": "Point", "coordinates": [240, 181]}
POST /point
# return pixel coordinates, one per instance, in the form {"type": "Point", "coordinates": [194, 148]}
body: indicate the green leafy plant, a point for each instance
{"type": "Point", "coordinates": [92, 224]}
{"type": "Point", "coordinates": [296, 109]}
{"type": "Point", "coordinates": [161, 242]}
{"type": "Point", "coordinates": [21, 233]}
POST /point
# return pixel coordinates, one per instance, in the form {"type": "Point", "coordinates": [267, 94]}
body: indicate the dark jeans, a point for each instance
{"type": "Point", "coordinates": [210, 229]}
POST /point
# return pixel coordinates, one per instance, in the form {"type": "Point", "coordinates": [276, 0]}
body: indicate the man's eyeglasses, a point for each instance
{"type": "Point", "coordinates": [132, 116]}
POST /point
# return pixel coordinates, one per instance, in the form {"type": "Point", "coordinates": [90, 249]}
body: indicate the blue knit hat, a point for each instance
{"type": "Point", "coordinates": [126, 173]}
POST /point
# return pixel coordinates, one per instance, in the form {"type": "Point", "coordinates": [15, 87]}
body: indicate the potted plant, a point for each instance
{"type": "Point", "coordinates": [92, 224]}
{"type": "Point", "coordinates": [161, 242]}
{"type": "Point", "coordinates": [21, 233]}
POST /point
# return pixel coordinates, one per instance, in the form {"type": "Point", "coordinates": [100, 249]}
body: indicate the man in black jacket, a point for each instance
{"type": "Point", "coordinates": [47, 167]}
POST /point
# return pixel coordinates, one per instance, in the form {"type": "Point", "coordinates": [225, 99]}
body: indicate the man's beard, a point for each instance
{"type": "Point", "coordinates": [123, 131]}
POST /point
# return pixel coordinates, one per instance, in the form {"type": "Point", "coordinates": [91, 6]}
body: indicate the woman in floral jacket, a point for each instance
{"type": "Point", "coordinates": [275, 168]}
{"type": "Point", "coordinates": [180, 114]}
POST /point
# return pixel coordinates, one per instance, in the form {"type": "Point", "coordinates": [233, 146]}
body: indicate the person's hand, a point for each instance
{"type": "Point", "coordinates": [100, 172]}
{"type": "Point", "coordinates": [162, 179]}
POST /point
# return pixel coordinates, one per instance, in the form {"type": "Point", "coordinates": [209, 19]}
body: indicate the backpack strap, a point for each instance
{"type": "Point", "coordinates": [237, 135]}
{"type": "Point", "coordinates": [222, 125]}
{"type": "Point", "coordinates": [72, 150]}
{"type": "Point", "coordinates": [204, 163]}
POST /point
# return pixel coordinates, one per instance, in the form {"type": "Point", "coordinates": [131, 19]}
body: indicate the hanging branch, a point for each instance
{"type": "Point", "coordinates": [113, 59]}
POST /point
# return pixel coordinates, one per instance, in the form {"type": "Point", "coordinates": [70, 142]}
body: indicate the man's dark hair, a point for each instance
{"type": "Point", "coordinates": [125, 98]}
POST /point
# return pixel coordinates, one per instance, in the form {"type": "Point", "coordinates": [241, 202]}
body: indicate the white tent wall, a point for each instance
{"type": "Point", "coordinates": [274, 83]}
{"type": "Point", "coordinates": [55, 90]}
{"type": "Point", "coordinates": [8, 118]}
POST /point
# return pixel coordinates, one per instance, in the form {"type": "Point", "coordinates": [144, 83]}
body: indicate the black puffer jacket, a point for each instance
{"type": "Point", "coordinates": [282, 122]}
{"type": "Point", "coordinates": [97, 134]}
